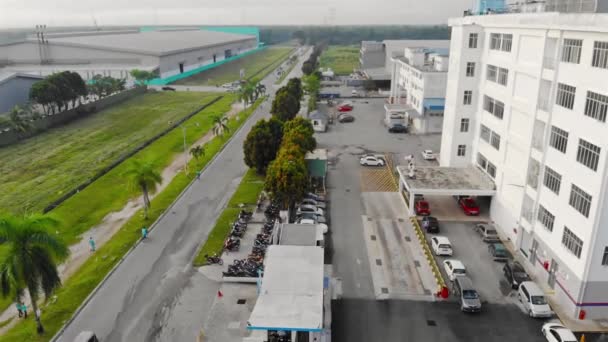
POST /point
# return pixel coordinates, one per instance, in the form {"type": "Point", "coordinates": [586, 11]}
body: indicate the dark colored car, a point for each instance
{"type": "Point", "coordinates": [346, 118]}
{"type": "Point", "coordinates": [515, 274]}
{"type": "Point", "coordinates": [469, 206]}
{"type": "Point", "coordinates": [397, 128]}
{"type": "Point", "coordinates": [422, 208]}
{"type": "Point", "coordinates": [498, 252]}
{"type": "Point", "coordinates": [169, 88]}
{"type": "Point", "coordinates": [430, 224]}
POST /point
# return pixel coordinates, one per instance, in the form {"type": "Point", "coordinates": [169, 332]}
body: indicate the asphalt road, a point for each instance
{"type": "Point", "coordinates": [155, 294]}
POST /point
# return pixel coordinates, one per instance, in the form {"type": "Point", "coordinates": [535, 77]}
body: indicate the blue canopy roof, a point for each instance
{"type": "Point", "coordinates": [434, 103]}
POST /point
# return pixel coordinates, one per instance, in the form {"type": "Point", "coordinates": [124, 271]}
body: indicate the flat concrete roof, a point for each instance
{"type": "Point", "coordinates": [319, 153]}
{"type": "Point", "coordinates": [447, 181]}
{"type": "Point", "coordinates": [156, 43]}
{"type": "Point", "coordinates": [377, 73]}
{"type": "Point", "coordinates": [291, 295]}
{"type": "Point", "coordinates": [295, 234]}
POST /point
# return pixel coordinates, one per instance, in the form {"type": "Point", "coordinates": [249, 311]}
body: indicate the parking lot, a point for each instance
{"type": "Point", "coordinates": [356, 194]}
{"type": "Point", "coordinates": [485, 273]}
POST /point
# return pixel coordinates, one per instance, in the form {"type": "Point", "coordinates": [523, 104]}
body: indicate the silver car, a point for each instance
{"type": "Point", "coordinates": [488, 232]}
{"type": "Point", "coordinates": [468, 296]}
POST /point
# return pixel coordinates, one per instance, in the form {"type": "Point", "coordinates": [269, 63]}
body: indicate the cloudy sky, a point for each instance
{"type": "Point", "coordinates": [27, 13]}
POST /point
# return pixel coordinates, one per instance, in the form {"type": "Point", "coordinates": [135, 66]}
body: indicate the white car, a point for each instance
{"type": "Point", "coordinates": [311, 201]}
{"type": "Point", "coordinates": [428, 155]}
{"type": "Point", "coordinates": [555, 332]}
{"type": "Point", "coordinates": [454, 268]}
{"type": "Point", "coordinates": [307, 208]}
{"type": "Point", "coordinates": [371, 161]}
{"type": "Point", "coordinates": [441, 245]}
{"type": "Point", "coordinates": [310, 221]}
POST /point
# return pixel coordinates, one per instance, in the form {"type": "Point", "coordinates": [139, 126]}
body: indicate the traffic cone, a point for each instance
{"type": "Point", "coordinates": [220, 294]}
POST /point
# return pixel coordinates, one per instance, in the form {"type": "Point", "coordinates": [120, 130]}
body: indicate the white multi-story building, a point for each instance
{"type": "Point", "coordinates": [418, 81]}
{"type": "Point", "coordinates": [526, 102]}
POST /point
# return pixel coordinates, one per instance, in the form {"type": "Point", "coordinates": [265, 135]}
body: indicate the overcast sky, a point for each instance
{"type": "Point", "coordinates": [27, 13]}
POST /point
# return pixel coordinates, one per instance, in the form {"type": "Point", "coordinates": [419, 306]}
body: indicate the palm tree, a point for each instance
{"type": "Point", "coordinates": [31, 260]}
{"type": "Point", "coordinates": [197, 151]}
{"type": "Point", "coordinates": [145, 176]}
{"type": "Point", "coordinates": [220, 125]}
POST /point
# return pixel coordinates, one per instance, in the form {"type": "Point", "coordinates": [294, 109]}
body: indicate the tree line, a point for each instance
{"type": "Point", "coordinates": [276, 147]}
{"type": "Point", "coordinates": [312, 63]}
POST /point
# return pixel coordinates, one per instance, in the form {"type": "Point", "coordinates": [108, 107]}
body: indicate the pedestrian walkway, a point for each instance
{"type": "Point", "coordinates": [397, 261]}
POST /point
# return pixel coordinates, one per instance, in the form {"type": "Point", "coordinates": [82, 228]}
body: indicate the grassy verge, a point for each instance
{"type": "Point", "coordinates": [341, 59]}
{"type": "Point", "coordinates": [39, 170]}
{"type": "Point", "coordinates": [92, 272]}
{"type": "Point", "coordinates": [247, 193]}
{"type": "Point", "coordinates": [256, 65]}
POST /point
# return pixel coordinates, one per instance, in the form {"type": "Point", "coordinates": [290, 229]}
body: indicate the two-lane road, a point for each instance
{"type": "Point", "coordinates": [155, 294]}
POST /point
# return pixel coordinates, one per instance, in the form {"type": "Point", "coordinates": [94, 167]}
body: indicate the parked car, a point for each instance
{"type": "Point", "coordinates": [487, 232]}
{"type": "Point", "coordinates": [397, 128]}
{"type": "Point", "coordinates": [555, 332]}
{"type": "Point", "coordinates": [454, 268]}
{"type": "Point", "coordinates": [227, 85]}
{"type": "Point", "coordinates": [306, 208]}
{"type": "Point", "coordinates": [498, 251]}
{"type": "Point", "coordinates": [345, 118]}
{"type": "Point", "coordinates": [515, 274]}
{"type": "Point", "coordinates": [467, 295]}
{"type": "Point", "coordinates": [311, 221]}
{"type": "Point", "coordinates": [469, 206]}
{"type": "Point", "coordinates": [318, 198]}
{"type": "Point", "coordinates": [533, 299]}
{"type": "Point", "coordinates": [86, 336]}
{"type": "Point", "coordinates": [311, 201]}
{"type": "Point", "coordinates": [428, 155]}
{"type": "Point", "coordinates": [422, 207]}
{"type": "Point", "coordinates": [168, 88]}
{"type": "Point", "coordinates": [371, 161]}
{"type": "Point", "coordinates": [354, 93]}
{"type": "Point", "coordinates": [311, 216]}
{"type": "Point", "coordinates": [345, 108]}
{"type": "Point", "coordinates": [441, 245]}
{"type": "Point", "coordinates": [430, 224]}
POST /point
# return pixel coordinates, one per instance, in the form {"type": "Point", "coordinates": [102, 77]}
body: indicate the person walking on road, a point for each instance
{"type": "Point", "coordinates": [144, 233]}
{"type": "Point", "coordinates": [18, 305]}
{"type": "Point", "coordinates": [24, 310]}
{"type": "Point", "coordinates": [198, 174]}
{"type": "Point", "coordinates": [92, 244]}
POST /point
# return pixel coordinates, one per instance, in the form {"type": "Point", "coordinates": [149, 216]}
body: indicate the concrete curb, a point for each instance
{"type": "Point", "coordinates": [152, 227]}
{"type": "Point", "coordinates": [241, 280]}
{"type": "Point", "coordinates": [428, 253]}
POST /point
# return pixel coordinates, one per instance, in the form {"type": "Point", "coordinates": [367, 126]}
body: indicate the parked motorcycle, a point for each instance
{"type": "Point", "coordinates": [214, 259]}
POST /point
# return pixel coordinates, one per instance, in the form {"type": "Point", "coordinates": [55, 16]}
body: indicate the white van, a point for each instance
{"type": "Point", "coordinates": [441, 245]}
{"type": "Point", "coordinates": [533, 299]}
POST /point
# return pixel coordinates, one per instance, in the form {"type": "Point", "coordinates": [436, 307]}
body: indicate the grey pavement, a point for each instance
{"type": "Point", "coordinates": [155, 294]}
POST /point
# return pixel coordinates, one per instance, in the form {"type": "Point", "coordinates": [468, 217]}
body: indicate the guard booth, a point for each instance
{"type": "Point", "coordinates": [444, 183]}
{"type": "Point", "coordinates": [316, 162]}
{"type": "Point", "coordinates": [294, 301]}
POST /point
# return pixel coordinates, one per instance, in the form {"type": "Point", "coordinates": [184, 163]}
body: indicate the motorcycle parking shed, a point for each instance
{"type": "Point", "coordinates": [441, 184]}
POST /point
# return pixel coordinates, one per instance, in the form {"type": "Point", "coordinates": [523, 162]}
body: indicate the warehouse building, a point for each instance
{"type": "Point", "coordinates": [174, 54]}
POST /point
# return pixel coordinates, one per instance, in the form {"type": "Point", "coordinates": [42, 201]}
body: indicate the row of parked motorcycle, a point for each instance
{"type": "Point", "coordinates": [254, 263]}
{"type": "Point", "coordinates": [233, 243]}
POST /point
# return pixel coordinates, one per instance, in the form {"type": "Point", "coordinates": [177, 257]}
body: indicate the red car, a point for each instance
{"type": "Point", "coordinates": [345, 108]}
{"type": "Point", "coordinates": [422, 208]}
{"type": "Point", "coordinates": [469, 206]}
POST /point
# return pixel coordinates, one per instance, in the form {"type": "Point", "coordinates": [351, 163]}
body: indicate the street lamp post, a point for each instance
{"type": "Point", "coordinates": [183, 127]}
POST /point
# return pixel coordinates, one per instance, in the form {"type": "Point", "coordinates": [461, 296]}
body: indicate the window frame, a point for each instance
{"type": "Point", "coordinates": [464, 125]}
{"type": "Point", "coordinates": [565, 95]}
{"type": "Point", "coordinates": [558, 139]}
{"type": "Point", "coordinates": [588, 154]}
{"type": "Point", "coordinates": [467, 97]}
{"type": "Point", "coordinates": [580, 200]}
{"type": "Point", "coordinates": [571, 50]}
{"type": "Point", "coordinates": [473, 39]}
{"type": "Point", "coordinates": [470, 69]}
{"type": "Point", "coordinates": [572, 242]}
{"type": "Point", "coordinates": [599, 57]}
{"type": "Point", "coordinates": [461, 150]}
{"type": "Point", "coordinates": [552, 180]}
{"type": "Point", "coordinates": [546, 218]}
{"type": "Point", "coordinates": [596, 106]}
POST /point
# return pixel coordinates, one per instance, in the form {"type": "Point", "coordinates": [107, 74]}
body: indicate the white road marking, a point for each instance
{"type": "Point", "coordinates": [358, 261]}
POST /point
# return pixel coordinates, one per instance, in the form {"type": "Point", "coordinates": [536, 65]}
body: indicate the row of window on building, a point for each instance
{"type": "Point", "coordinates": [596, 105]}
{"type": "Point", "coordinates": [571, 53]}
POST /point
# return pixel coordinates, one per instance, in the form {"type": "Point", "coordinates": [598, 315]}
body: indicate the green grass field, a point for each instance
{"type": "Point", "coordinates": [341, 59]}
{"type": "Point", "coordinates": [247, 193]}
{"type": "Point", "coordinates": [256, 65]}
{"type": "Point", "coordinates": [78, 287]}
{"type": "Point", "coordinates": [39, 170]}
